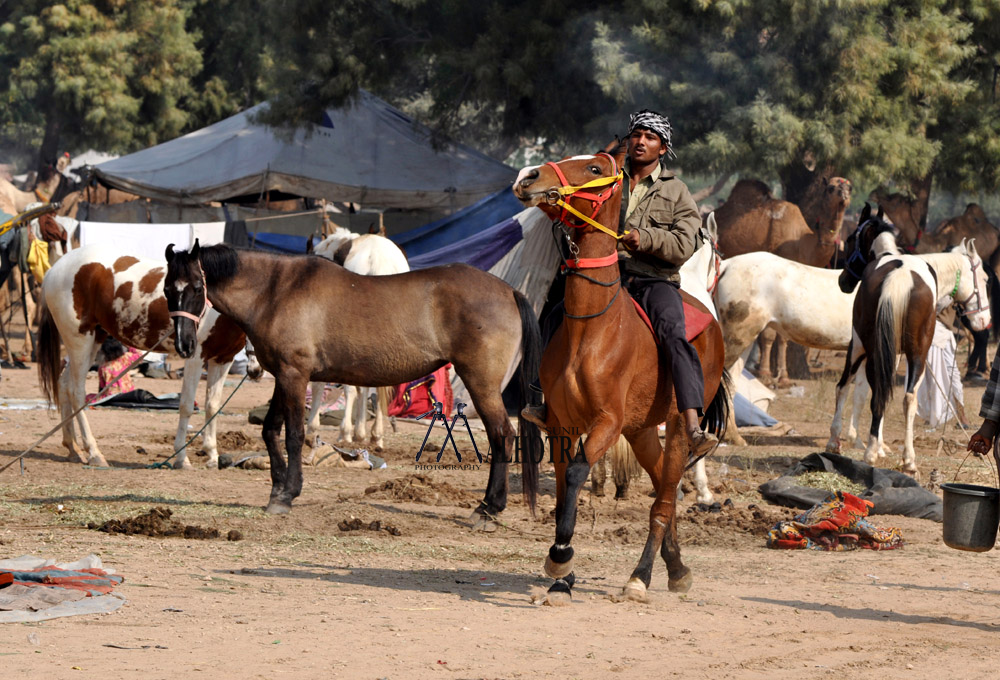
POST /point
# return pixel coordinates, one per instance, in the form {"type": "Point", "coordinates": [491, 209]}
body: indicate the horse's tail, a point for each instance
{"type": "Point", "coordinates": [624, 465]}
{"type": "Point", "coordinates": [717, 414]}
{"type": "Point", "coordinates": [49, 354]}
{"type": "Point", "coordinates": [529, 436]}
{"type": "Point", "coordinates": [892, 303]}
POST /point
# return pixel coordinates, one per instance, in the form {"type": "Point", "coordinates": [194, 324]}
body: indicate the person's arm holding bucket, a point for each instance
{"type": "Point", "coordinates": [982, 441]}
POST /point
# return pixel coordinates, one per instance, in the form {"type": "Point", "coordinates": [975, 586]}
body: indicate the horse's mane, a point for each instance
{"type": "Point", "coordinates": [219, 262]}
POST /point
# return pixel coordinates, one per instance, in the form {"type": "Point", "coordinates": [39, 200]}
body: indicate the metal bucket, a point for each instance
{"type": "Point", "coordinates": [971, 516]}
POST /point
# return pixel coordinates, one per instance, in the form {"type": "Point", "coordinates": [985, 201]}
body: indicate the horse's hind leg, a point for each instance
{"type": "Point", "coordinates": [293, 390]}
{"type": "Point", "coordinates": [597, 477]}
{"type": "Point", "coordinates": [270, 432]}
{"type": "Point", "coordinates": [77, 383]}
{"type": "Point", "coordinates": [855, 355]}
{"type": "Point", "coordinates": [347, 423]}
{"type": "Point", "coordinates": [66, 412]}
{"type": "Point", "coordinates": [914, 376]}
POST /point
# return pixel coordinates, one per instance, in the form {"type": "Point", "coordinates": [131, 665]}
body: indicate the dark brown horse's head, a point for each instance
{"type": "Point", "coordinates": [187, 301]}
{"type": "Point", "coordinates": [578, 191]}
{"type": "Point", "coordinates": [858, 247]}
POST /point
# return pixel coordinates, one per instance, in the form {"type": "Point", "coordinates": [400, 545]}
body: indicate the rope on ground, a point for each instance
{"type": "Point", "coordinates": [85, 404]}
{"type": "Point", "coordinates": [163, 463]}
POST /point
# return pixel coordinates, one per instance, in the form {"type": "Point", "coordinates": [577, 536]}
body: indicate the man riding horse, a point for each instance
{"type": "Point", "coordinates": [661, 223]}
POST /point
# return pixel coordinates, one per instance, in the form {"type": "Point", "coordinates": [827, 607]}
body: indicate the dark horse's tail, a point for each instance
{"type": "Point", "coordinates": [717, 414]}
{"type": "Point", "coordinates": [529, 436]}
{"type": "Point", "coordinates": [49, 355]}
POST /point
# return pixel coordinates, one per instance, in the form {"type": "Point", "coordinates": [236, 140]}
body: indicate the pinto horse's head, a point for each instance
{"type": "Point", "coordinates": [859, 247]}
{"type": "Point", "coordinates": [187, 301]}
{"type": "Point", "coordinates": [577, 191]}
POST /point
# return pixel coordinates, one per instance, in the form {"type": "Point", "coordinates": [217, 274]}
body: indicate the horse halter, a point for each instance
{"type": "Point", "coordinates": [555, 196]}
{"type": "Point", "coordinates": [204, 309]}
{"type": "Point", "coordinates": [964, 304]}
{"type": "Point", "coordinates": [857, 261]}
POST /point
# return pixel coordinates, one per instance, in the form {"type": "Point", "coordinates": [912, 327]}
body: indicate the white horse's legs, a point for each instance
{"type": "Point", "coordinates": [189, 389]}
{"type": "Point", "coordinates": [861, 391]}
{"type": "Point", "coordinates": [853, 353]}
{"type": "Point", "coordinates": [704, 494]}
{"type": "Point", "coordinates": [346, 425]}
{"type": "Point", "coordinates": [910, 413]}
{"type": "Point", "coordinates": [381, 408]}
{"type": "Point", "coordinates": [312, 420]}
{"type": "Point", "coordinates": [361, 415]}
{"type": "Point", "coordinates": [213, 400]}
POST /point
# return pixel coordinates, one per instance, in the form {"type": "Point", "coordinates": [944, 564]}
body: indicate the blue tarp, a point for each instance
{"type": "Point", "coordinates": [482, 249]}
{"type": "Point", "coordinates": [468, 221]}
{"type": "Point", "coordinates": [279, 243]}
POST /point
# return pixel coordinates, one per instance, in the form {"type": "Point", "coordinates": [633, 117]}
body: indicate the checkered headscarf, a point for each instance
{"type": "Point", "coordinates": [651, 120]}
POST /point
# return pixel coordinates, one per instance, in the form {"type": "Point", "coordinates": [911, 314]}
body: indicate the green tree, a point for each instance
{"type": "Point", "coordinates": [114, 74]}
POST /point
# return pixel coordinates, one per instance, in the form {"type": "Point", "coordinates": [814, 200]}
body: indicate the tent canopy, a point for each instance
{"type": "Point", "coordinates": [365, 152]}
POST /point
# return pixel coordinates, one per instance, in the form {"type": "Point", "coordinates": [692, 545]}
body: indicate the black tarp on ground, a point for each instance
{"type": "Point", "coordinates": [893, 493]}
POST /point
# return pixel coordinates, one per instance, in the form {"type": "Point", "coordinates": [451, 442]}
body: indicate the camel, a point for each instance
{"type": "Point", "coordinates": [752, 219]}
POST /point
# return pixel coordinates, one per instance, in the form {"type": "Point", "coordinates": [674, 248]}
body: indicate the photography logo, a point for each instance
{"type": "Point", "coordinates": [438, 413]}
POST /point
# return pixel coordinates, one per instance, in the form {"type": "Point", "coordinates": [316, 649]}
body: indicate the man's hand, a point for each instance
{"type": "Point", "coordinates": [982, 441]}
{"type": "Point", "coordinates": [631, 240]}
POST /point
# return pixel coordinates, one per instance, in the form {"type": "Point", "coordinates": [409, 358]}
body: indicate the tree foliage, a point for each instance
{"type": "Point", "coordinates": [113, 74]}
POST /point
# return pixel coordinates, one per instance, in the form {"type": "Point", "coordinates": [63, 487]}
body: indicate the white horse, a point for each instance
{"type": "Point", "coordinates": [370, 254]}
{"type": "Point", "coordinates": [892, 317]}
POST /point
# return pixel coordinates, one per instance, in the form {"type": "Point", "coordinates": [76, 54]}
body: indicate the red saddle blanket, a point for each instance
{"type": "Point", "coordinates": [696, 320]}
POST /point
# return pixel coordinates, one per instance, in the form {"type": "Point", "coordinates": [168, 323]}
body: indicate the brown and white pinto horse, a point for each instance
{"type": "Point", "coordinates": [894, 313]}
{"type": "Point", "coordinates": [96, 291]}
{"type": "Point", "coordinates": [601, 372]}
{"type": "Point", "coordinates": [327, 324]}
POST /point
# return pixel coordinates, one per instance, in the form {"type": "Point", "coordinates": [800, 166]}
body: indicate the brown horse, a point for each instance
{"type": "Point", "coordinates": [324, 323]}
{"type": "Point", "coordinates": [752, 219]}
{"type": "Point", "coordinates": [601, 372]}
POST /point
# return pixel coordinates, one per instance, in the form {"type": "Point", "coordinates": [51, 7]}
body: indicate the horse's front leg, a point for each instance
{"type": "Point", "coordinates": [855, 355]}
{"type": "Point", "coordinates": [213, 401]}
{"type": "Point", "coordinates": [559, 563]}
{"type": "Point", "coordinates": [347, 422]}
{"type": "Point", "coordinates": [189, 389]}
{"type": "Point", "coordinates": [294, 387]}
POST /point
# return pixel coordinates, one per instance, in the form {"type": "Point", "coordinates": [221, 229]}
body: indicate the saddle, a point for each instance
{"type": "Point", "coordinates": [696, 317]}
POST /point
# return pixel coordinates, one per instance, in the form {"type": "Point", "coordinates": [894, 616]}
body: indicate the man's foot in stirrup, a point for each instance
{"type": "Point", "coordinates": [536, 414]}
{"type": "Point", "coordinates": [532, 413]}
{"type": "Point", "coordinates": [702, 443]}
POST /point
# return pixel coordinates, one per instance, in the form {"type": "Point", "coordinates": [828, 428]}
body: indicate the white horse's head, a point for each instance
{"type": "Point", "coordinates": [971, 286]}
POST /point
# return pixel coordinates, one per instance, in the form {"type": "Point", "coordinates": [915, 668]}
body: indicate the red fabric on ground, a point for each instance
{"type": "Point", "coordinates": [91, 581]}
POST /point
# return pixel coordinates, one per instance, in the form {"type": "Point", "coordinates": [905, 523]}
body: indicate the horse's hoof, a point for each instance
{"type": "Point", "coordinates": [785, 383]}
{"type": "Point", "coordinates": [635, 590]}
{"type": "Point", "coordinates": [682, 584]}
{"type": "Point", "coordinates": [183, 464]}
{"type": "Point", "coordinates": [212, 464]}
{"type": "Point", "coordinates": [558, 598]}
{"type": "Point", "coordinates": [97, 460]}
{"type": "Point", "coordinates": [833, 446]}
{"type": "Point", "coordinates": [558, 570]}
{"type": "Point", "coordinates": [276, 507]}
{"type": "Point", "coordinates": [708, 499]}
{"type": "Point", "coordinates": [483, 523]}
{"type": "Point", "coordinates": [75, 454]}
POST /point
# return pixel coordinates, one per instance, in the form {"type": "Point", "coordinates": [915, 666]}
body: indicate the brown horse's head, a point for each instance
{"type": "Point", "coordinates": [187, 301]}
{"type": "Point", "coordinates": [583, 192]}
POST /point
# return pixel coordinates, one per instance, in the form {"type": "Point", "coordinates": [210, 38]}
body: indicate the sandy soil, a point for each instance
{"type": "Point", "coordinates": [299, 597]}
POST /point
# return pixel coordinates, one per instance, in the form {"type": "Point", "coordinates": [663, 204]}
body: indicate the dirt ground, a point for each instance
{"type": "Point", "coordinates": [377, 574]}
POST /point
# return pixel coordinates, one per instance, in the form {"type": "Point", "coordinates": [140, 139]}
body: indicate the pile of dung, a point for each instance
{"type": "Point", "coordinates": [355, 524]}
{"type": "Point", "coordinates": [421, 489]}
{"type": "Point", "coordinates": [156, 522]}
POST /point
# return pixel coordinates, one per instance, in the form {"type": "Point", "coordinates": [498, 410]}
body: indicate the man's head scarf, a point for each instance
{"type": "Point", "coordinates": [651, 120]}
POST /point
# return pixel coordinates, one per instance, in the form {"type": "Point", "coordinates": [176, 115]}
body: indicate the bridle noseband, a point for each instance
{"type": "Point", "coordinates": [204, 309]}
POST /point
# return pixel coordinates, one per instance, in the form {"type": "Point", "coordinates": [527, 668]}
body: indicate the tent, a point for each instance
{"type": "Point", "coordinates": [365, 152]}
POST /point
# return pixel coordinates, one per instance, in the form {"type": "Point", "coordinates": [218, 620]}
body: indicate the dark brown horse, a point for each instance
{"type": "Point", "coordinates": [312, 320]}
{"type": "Point", "coordinates": [601, 372]}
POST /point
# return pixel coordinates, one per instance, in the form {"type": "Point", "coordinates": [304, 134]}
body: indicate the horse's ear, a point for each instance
{"type": "Point", "coordinates": [169, 252]}
{"type": "Point", "coordinates": [712, 226]}
{"type": "Point", "coordinates": [866, 212]}
{"type": "Point", "coordinates": [970, 248]}
{"type": "Point", "coordinates": [881, 212]}
{"type": "Point", "coordinates": [194, 249]}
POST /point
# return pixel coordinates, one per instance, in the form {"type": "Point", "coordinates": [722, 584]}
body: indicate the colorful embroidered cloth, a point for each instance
{"type": "Point", "coordinates": [838, 523]}
{"type": "Point", "coordinates": [109, 369]}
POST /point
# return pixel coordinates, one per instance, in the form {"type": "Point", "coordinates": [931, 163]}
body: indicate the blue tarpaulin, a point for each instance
{"type": "Point", "coordinates": [478, 217]}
